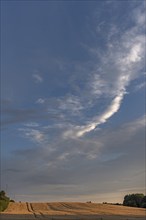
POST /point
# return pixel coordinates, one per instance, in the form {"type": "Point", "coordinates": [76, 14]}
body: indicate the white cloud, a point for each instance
{"type": "Point", "coordinates": [140, 86]}
{"type": "Point", "coordinates": [112, 109]}
{"type": "Point", "coordinates": [135, 53]}
{"type": "Point", "coordinates": [33, 134]}
{"type": "Point", "coordinates": [31, 124]}
{"type": "Point", "coordinates": [71, 103]}
{"type": "Point", "coordinates": [40, 101]}
{"type": "Point", "coordinates": [98, 85]}
{"type": "Point", "coordinates": [36, 135]}
{"type": "Point", "coordinates": [79, 131]}
{"type": "Point", "coordinates": [37, 78]}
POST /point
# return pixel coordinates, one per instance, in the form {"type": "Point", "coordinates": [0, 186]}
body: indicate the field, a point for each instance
{"type": "Point", "coordinates": [71, 211]}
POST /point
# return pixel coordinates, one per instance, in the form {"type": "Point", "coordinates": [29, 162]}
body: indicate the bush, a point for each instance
{"type": "Point", "coordinates": [11, 200]}
{"type": "Point", "coordinates": [4, 201]}
{"type": "Point", "coordinates": [3, 205]}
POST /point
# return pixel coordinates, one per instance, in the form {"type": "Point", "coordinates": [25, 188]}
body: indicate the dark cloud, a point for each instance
{"type": "Point", "coordinates": [11, 115]}
{"type": "Point", "coordinates": [14, 116]}
{"type": "Point", "coordinates": [13, 170]}
{"type": "Point", "coordinates": [5, 102]}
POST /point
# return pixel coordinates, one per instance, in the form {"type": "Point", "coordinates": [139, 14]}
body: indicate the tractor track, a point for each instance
{"type": "Point", "coordinates": [36, 214]}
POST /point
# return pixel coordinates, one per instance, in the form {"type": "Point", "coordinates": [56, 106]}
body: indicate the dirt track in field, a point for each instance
{"type": "Point", "coordinates": [71, 211]}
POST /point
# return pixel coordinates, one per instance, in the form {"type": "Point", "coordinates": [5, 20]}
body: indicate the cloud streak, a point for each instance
{"type": "Point", "coordinates": [79, 131]}
{"type": "Point", "coordinates": [123, 60]}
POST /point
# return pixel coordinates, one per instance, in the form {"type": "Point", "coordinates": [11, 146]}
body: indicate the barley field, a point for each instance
{"type": "Point", "coordinates": [71, 211]}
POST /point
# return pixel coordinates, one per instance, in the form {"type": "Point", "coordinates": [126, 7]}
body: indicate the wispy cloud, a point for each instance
{"type": "Point", "coordinates": [140, 86]}
{"type": "Point", "coordinates": [40, 101]}
{"type": "Point", "coordinates": [38, 78]}
{"type": "Point", "coordinates": [79, 161]}
{"type": "Point", "coordinates": [35, 135]}
{"type": "Point", "coordinates": [107, 80]}
{"type": "Point", "coordinates": [31, 124]}
{"type": "Point", "coordinates": [79, 131]}
{"type": "Point", "coordinates": [134, 126]}
{"type": "Point", "coordinates": [118, 67]}
{"type": "Point", "coordinates": [71, 104]}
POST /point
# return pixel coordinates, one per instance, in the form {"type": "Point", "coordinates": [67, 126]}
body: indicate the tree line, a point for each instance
{"type": "Point", "coordinates": [135, 200]}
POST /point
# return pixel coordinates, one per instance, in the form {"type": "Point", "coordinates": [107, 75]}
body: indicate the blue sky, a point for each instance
{"type": "Point", "coordinates": [73, 99]}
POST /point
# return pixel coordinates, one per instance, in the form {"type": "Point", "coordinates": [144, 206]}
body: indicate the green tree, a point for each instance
{"type": "Point", "coordinates": [143, 202]}
{"type": "Point", "coordinates": [133, 200]}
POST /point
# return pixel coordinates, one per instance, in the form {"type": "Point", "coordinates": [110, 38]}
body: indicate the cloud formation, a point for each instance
{"type": "Point", "coordinates": [70, 164]}
{"type": "Point", "coordinates": [122, 61]}
{"type": "Point", "coordinates": [40, 101]}
{"type": "Point", "coordinates": [140, 86]}
{"type": "Point", "coordinates": [34, 134]}
{"type": "Point", "coordinates": [38, 78]}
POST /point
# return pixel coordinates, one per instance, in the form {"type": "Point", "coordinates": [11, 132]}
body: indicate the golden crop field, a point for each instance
{"type": "Point", "coordinates": [71, 211]}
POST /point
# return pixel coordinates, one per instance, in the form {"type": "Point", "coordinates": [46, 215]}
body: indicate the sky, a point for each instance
{"type": "Point", "coordinates": [73, 100]}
